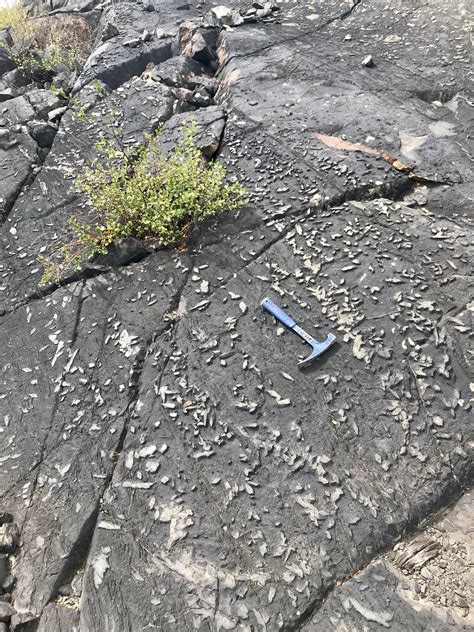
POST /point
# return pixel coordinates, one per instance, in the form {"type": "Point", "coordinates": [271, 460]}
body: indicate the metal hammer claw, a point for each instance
{"type": "Point", "coordinates": [318, 347]}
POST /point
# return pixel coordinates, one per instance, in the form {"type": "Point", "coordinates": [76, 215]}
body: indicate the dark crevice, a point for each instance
{"type": "Point", "coordinates": [77, 320]}
{"type": "Point", "coordinates": [348, 12]}
{"type": "Point", "coordinates": [113, 80]}
{"type": "Point", "coordinates": [77, 554]}
{"type": "Point", "coordinates": [443, 95]}
{"type": "Point", "coordinates": [221, 140]}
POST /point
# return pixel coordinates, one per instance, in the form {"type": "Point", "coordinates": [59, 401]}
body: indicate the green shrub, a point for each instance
{"type": "Point", "coordinates": [12, 15]}
{"type": "Point", "coordinates": [43, 44]}
{"type": "Point", "coordinates": [144, 195]}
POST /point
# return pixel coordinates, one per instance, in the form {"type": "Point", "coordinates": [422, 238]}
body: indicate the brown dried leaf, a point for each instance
{"type": "Point", "coordinates": [337, 143]}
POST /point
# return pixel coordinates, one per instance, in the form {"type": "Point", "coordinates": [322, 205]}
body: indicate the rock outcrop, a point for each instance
{"type": "Point", "coordinates": [163, 463]}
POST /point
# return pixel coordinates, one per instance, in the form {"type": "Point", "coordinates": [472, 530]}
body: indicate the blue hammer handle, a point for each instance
{"type": "Point", "coordinates": [269, 306]}
{"type": "Point", "coordinates": [318, 347]}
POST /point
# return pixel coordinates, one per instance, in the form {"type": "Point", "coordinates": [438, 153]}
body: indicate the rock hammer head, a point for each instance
{"type": "Point", "coordinates": [318, 347]}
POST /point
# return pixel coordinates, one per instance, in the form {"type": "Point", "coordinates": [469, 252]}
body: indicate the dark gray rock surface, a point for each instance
{"type": "Point", "coordinates": [407, 591]}
{"type": "Point", "coordinates": [163, 463]}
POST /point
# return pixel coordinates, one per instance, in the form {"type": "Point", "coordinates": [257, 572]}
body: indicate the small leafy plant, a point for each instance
{"type": "Point", "coordinates": [12, 15]}
{"type": "Point", "coordinates": [143, 195]}
{"type": "Point", "coordinates": [43, 44]}
{"type": "Point", "coordinates": [62, 94]}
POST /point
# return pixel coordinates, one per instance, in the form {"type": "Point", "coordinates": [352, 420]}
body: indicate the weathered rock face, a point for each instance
{"type": "Point", "coordinates": [163, 463]}
{"type": "Point", "coordinates": [6, 63]}
{"type": "Point", "coordinates": [412, 586]}
{"type": "Point", "coordinates": [25, 133]}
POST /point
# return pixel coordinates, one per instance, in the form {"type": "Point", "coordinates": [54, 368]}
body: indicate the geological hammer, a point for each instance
{"type": "Point", "coordinates": [318, 347]}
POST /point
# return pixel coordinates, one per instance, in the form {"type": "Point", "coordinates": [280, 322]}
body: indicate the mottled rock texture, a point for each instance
{"type": "Point", "coordinates": [163, 463]}
{"type": "Point", "coordinates": [426, 583]}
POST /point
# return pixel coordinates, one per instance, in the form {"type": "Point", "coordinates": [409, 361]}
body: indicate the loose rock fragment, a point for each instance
{"type": "Point", "coordinates": [9, 537]}
{"type": "Point", "coordinates": [368, 61]}
{"type": "Point", "coordinates": [223, 16]}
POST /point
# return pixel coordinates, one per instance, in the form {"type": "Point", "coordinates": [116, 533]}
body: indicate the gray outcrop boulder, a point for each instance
{"type": "Point", "coordinates": [163, 463]}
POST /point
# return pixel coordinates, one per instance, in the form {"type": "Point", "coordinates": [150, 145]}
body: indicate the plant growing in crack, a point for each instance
{"type": "Point", "coordinates": [12, 15]}
{"type": "Point", "coordinates": [44, 45]}
{"type": "Point", "coordinates": [145, 195]}
{"type": "Point", "coordinates": [62, 94]}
